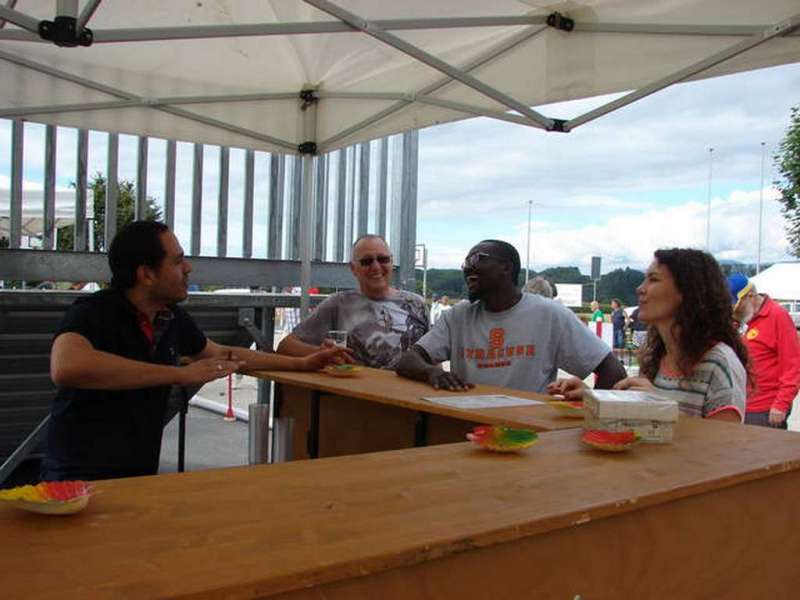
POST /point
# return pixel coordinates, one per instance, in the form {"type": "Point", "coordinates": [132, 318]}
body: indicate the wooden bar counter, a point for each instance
{"type": "Point", "coordinates": [712, 515]}
{"type": "Point", "coordinates": [378, 410]}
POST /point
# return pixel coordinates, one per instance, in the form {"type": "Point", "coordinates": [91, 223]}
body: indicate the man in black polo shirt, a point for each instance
{"type": "Point", "coordinates": [116, 355]}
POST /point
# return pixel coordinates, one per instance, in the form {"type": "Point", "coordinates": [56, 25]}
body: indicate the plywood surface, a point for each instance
{"type": "Point", "coordinates": [385, 387]}
{"type": "Point", "coordinates": [255, 531]}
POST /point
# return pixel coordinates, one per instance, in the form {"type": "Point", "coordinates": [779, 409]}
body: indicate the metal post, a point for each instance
{"type": "Point", "coordinates": [15, 209]}
{"type": "Point", "coordinates": [424, 271]}
{"type": "Point", "coordinates": [528, 263]}
{"type": "Point", "coordinates": [169, 184]}
{"type": "Point", "coordinates": [197, 199]}
{"type": "Point", "coordinates": [708, 216]}
{"type": "Point", "coordinates": [49, 221]}
{"type": "Point", "coordinates": [79, 239]}
{"type": "Point", "coordinates": [140, 210]}
{"type": "Point", "coordinates": [760, 208]}
{"type": "Point", "coordinates": [112, 190]}
{"type": "Point", "coordinates": [307, 206]}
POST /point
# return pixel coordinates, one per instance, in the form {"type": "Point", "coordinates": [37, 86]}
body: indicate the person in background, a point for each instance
{"type": "Point", "coordinates": [539, 285]}
{"type": "Point", "coordinates": [116, 355]}
{"type": "Point", "coordinates": [504, 337]}
{"type": "Point", "coordinates": [692, 348]}
{"type": "Point", "coordinates": [597, 314]}
{"type": "Point", "coordinates": [436, 308]}
{"type": "Point", "coordinates": [381, 321]}
{"type": "Point", "coordinates": [618, 323]}
{"type": "Point", "coordinates": [772, 343]}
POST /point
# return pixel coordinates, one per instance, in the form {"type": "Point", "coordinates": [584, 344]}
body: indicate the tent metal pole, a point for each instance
{"type": "Point", "coordinates": [309, 109]}
{"type": "Point", "coordinates": [67, 8]}
{"type": "Point", "coordinates": [151, 34]}
{"type": "Point", "coordinates": [87, 13]}
{"type": "Point", "coordinates": [713, 60]}
{"type": "Point", "coordinates": [9, 4]}
{"type": "Point", "coordinates": [19, 19]}
{"type": "Point", "coordinates": [471, 65]}
{"type": "Point", "coordinates": [382, 185]}
{"type": "Point", "coordinates": [339, 202]}
{"type": "Point", "coordinates": [373, 30]}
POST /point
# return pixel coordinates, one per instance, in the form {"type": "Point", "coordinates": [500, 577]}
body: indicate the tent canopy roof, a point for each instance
{"type": "Point", "coordinates": [230, 73]}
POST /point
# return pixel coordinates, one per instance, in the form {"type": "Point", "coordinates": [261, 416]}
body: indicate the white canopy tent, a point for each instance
{"type": "Point", "coordinates": [781, 281]}
{"type": "Point", "coordinates": [313, 76]}
{"type": "Point", "coordinates": [33, 211]}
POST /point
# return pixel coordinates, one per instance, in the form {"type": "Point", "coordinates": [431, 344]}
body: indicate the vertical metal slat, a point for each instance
{"type": "Point", "coordinates": [112, 190]}
{"type": "Point", "coordinates": [49, 221]}
{"type": "Point", "coordinates": [247, 219]}
{"type": "Point", "coordinates": [408, 233]}
{"type": "Point", "coordinates": [321, 207]}
{"type": "Point", "coordinates": [383, 171]}
{"type": "Point", "coordinates": [296, 207]}
{"type": "Point", "coordinates": [197, 198]}
{"type": "Point", "coordinates": [351, 200]}
{"type": "Point", "coordinates": [80, 241]}
{"type": "Point", "coordinates": [222, 202]}
{"type": "Point", "coordinates": [15, 212]}
{"type": "Point", "coordinates": [277, 173]}
{"type": "Point", "coordinates": [363, 190]}
{"type": "Point", "coordinates": [340, 201]}
{"type": "Point", "coordinates": [140, 212]}
{"type": "Point", "coordinates": [169, 184]}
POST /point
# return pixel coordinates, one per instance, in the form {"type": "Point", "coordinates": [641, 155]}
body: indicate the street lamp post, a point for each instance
{"type": "Point", "coordinates": [760, 208]}
{"type": "Point", "coordinates": [528, 261]}
{"type": "Point", "coordinates": [708, 215]}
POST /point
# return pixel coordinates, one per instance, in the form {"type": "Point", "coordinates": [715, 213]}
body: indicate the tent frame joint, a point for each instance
{"type": "Point", "coordinates": [63, 31]}
{"type": "Point", "coordinates": [559, 125]}
{"type": "Point", "coordinates": [307, 148]}
{"type": "Point", "coordinates": [308, 97]}
{"type": "Point", "coordinates": [558, 21]}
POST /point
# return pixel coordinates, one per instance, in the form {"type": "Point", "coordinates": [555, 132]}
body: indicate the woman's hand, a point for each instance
{"type": "Point", "coordinates": [634, 383]}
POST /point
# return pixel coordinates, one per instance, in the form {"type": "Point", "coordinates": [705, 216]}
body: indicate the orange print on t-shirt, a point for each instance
{"type": "Point", "coordinates": [497, 337]}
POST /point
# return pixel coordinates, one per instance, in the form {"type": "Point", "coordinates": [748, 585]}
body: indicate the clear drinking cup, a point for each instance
{"type": "Point", "coordinates": [339, 338]}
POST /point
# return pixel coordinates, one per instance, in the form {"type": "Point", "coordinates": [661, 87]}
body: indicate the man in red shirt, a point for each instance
{"type": "Point", "coordinates": [774, 350]}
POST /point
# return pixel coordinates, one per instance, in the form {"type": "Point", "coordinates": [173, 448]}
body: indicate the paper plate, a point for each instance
{"type": "Point", "coordinates": [49, 497]}
{"type": "Point", "coordinates": [342, 370]}
{"type": "Point", "coordinates": [502, 439]}
{"type": "Point", "coordinates": [610, 441]}
{"type": "Point", "coordinates": [568, 409]}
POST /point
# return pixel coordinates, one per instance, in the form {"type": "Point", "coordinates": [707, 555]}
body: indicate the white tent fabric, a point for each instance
{"type": "Point", "coordinates": [33, 210]}
{"type": "Point", "coordinates": [165, 85]}
{"type": "Point", "coordinates": [781, 281]}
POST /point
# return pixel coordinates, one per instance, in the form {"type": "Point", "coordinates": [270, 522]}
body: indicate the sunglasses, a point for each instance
{"type": "Point", "coordinates": [473, 260]}
{"type": "Point", "coordinates": [382, 259]}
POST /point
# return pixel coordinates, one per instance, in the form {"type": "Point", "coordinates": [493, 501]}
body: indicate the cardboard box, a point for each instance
{"type": "Point", "coordinates": [651, 414]}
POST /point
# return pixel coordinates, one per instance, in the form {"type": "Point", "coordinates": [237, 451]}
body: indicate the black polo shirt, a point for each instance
{"type": "Point", "coordinates": [101, 434]}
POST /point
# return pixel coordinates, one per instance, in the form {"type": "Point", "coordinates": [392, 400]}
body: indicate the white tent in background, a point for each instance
{"type": "Point", "coordinates": [313, 76]}
{"type": "Point", "coordinates": [33, 211]}
{"type": "Point", "coordinates": [781, 281]}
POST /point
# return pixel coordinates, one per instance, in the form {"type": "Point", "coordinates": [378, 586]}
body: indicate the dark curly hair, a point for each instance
{"type": "Point", "coordinates": [705, 317]}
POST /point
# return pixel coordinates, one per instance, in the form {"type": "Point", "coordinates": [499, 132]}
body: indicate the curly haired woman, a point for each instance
{"type": "Point", "coordinates": [692, 347]}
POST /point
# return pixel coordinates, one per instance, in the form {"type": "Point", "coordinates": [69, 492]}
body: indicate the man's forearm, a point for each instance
{"type": "Point", "coordinates": [96, 370]}
{"type": "Point", "coordinates": [413, 366]}
{"type": "Point", "coordinates": [609, 372]}
{"type": "Point", "coordinates": [255, 360]}
{"type": "Point", "coordinates": [293, 346]}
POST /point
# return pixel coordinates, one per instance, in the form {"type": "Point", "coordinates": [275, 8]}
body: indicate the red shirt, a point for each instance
{"type": "Point", "coordinates": [774, 350]}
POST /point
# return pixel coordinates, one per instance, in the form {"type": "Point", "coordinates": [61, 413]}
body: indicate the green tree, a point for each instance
{"type": "Point", "coordinates": [787, 161]}
{"type": "Point", "coordinates": [126, 203]}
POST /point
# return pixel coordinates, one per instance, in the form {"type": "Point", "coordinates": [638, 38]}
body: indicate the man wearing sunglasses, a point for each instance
{"type": "Point", "coordinates": [381, 322]}
{"type": "Point", "coordinates": [504, 337]}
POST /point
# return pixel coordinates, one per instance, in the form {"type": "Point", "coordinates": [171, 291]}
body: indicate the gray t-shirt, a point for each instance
{"type": "Point", "coordinates": [378, 331]}
{"type": "Point", "coordinates": [522, 347]}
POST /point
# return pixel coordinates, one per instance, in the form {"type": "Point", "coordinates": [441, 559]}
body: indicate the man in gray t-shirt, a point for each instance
{"type": "Point", "coordinates": [381, 322]}
{"type": "Point", "coordinates": [506, 338]}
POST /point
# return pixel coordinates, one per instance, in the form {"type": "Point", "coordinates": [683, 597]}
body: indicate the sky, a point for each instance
{"type": "Point", "coordinates": [619, 187]}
